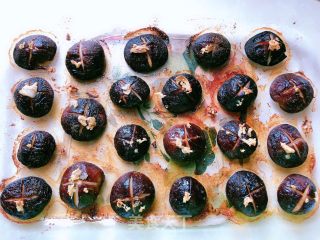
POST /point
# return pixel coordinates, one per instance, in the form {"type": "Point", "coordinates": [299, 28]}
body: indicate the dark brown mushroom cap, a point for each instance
{"type": "Point", "coordinates": [146, 53]}
{"type": "Point", "coordinates": [85, 60]}
{"type": "Point", "coordinates": [131, 142]}
{"type": "Point", "coordinates": [26, 197]}
{"type": "Point", "coordinates": [237, 140]}
{"type": "Point", "coordinates": [129, 92]}
{"type": "Point", "coordinates": [36, 149]}
{"type": "Point", "coordinates": [297, 194]}
{"type": "Point", "coordinates": [33, 51]}
{"type": "Point", "coordinates": [187, 197]}
{"type": "Point", "coordinates": [292, 92]}
{"type": "Point", "coordinates": [36, 106]}
{"type": "Point", "coordinates": [265, 48]}
{"type": "Point", "coordinates": [182, 93]}
{"type": "Point", "coordinates": [85, 109]}
{"type": "Point", "coordinates": [132, 195]}
{"type": "Point", "coordinates": [81, 184]}
{"type": "Point", "coordinates": [237, 93]}
{"type": "Point", "coordinates": [286, 146]}
{"type": "Point", "coordinates": [185, 143]}
{"type": "Point", "coordinates": [247, 193]}
{"type": "Point", "coordinates": [211, 50]}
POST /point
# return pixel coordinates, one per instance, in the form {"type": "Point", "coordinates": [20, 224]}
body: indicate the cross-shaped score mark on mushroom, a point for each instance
{"type": "Point", "coordinates": [296, 89]}
{"type": "Point", "coordinates": [304, 197]}
{"type": "Point", "coordinates": [143, 48]}
{"type": "Point", "coordinates": [292, 144]}
{"type": "Point", "coordinates": [127, 89]}
{"type": "Point", "coordinates": [77, 180]}
{"type": "Point", "coordinates": [20, 200]}
{"type": "Point", "coordinates": [249, 198]}
{"type": "Point", "coordinates": [132, 201]}
{"type": "Point", "coordinates": [183, 142]}
{"type": "Point", "coordinates": [85, 120]}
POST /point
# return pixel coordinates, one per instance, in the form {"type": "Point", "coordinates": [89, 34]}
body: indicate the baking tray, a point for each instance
{"type": "Point", "coordinates": [237, 32]}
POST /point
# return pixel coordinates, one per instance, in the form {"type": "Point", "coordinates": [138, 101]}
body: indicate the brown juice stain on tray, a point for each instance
{"type": "Point", "coordinates": [162, 173]}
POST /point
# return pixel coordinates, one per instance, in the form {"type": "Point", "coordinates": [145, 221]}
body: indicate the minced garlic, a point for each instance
{"type": "Point", "coordinates": [184, 83]}
{"type": "Point", "coordinates": [77, 64]}
{"type": "Point", "coordinates": [186, 197]}
{"type": "Point", "coordinates": [287, 148]}
{"type": "Point", "coordinates": [88, 122]}
{"type": "Point", "coordinates": [141, 140]}
{"type": "Point", "coordinates": [184, 149]}
{"type": "Point", "coordinates": [19, 205]}
{"type": "Point", "coordinates": [273, 45]}
{"type": "Point", "coordinates": [29, 90]}
{"type": "Point", "coordinates": [208, 48]}
{"type": "Point", "coordinates": [139, 48]}
{"type": "Point", "coordinates": [247, 200]}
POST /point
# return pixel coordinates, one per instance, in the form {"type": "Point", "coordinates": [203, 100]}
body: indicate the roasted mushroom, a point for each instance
{"type": "Point", "coordinates": [297, 194]}
{"type": "Point", "coordinates": [286, 146]}
{"type": "Point", "coordinates": [266, 48]}
{"type": "Point", "coordinates": [84, 119]}
{"type": "Point", "coordinates": [237, 93]}
{"type": "Point", "coordinates": [33, 97]}
{"type": "Point", "coordinates": [132, 195]}
{"type": "Point", "coordinates": [292, 92]}
{"type": "Point", "coordinates": [146, 53]}
{"type": "Point", "coordinates": [247, 193]}
{"type": "Point", "coordinates": [85, 60]}
{"type": "Point", "coordinates": [185, 143]}
{"type": "Point", "coordinates": [131, 142]}
{"type": "Point", "coordinates": [81, 184]}
{"type": "Point", "coordinates": [36, 149]}
{"type": "Point", "coordinates": [237, 140]}
{"type": "Point", "coordinates": [33, 51]}
{"type": "Point", "coordinates": [187, 197]}
{"type": "Point", "coordinates": [181, 93]}
{"type": "Point", "coordinates": [211, 50]}
{"type": "Point", "coordinates": [129, 92]}
{"type": "Point", "coordinates": [26, 197]}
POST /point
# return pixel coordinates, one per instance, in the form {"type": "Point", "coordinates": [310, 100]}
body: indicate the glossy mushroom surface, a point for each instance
{"type": "Point", "coordinates": [36, 149]}
{"type": "Point", "coordinates": [132, 195]}
{"type": "Point", "coordinates": [247, 193]}
{"type": "Point", "coordinates": [25, 198]}
{"type": "Point", "coordinates": [32, 52]}
{"type": "Point", "coordinates": [181, 93]}
{"type": "Point", "coordinates": [292, 92]}
{"type": "Point", "coordinates": [33, 97]}
{"type": "Point", "coordinates": [185, 143]}
{"type": "Point", "coordinates": [81, 184]}
{"type": "Point", "coordinates": [297, 194]}
{"type": "Point", "coordinates": [85, 119]}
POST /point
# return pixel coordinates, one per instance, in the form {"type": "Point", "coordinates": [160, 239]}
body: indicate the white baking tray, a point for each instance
{"type": "Point", "coordinates": [296, 20]}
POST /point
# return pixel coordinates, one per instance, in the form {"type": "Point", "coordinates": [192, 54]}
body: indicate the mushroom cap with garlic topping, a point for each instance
{"type": "Point", "coordinates": [187, 197]}
{"type": "Point", "coordinates": [266, 48]}
{"type": "Point", "coordinates": [25, 198]}
{"type": "Point", "coordinates": [146, 53]}
{"type": "Point", "coordinates": [182, 93]}
{"type": "Point", "coordinates": [132, 195]}
{"type": "Point", "coordinates": [84, 120]}
{"type": "Point", "coordinates": [185, 143]}
{"type": "Point", "coordinates": [237, 140]}
{"type": "Point", "coordinates": [34, 97]}
{"type": "Point", "coordinates": [81, 184]}
{"type": "Point", "coordinates": [292, 92]}
{"type": "Point", "coordinates": [211, 50]}
{"type": "Point", "coordinates": [32, 52]}
{"type": "Point", "coordinates": [129, 92]}
{"type": "Point", "coordinates": [237, 93]}
{"type": "Point", "coordinates": [131, 142]}
{"type": "Point", "coordinates": [85, 60]}
{"type": "Point", "coordinates": [297, 194]}
{"type": "Point", "coordinates": [247, 193]}
{"type": "Point", "coordinates": [286, 146]}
